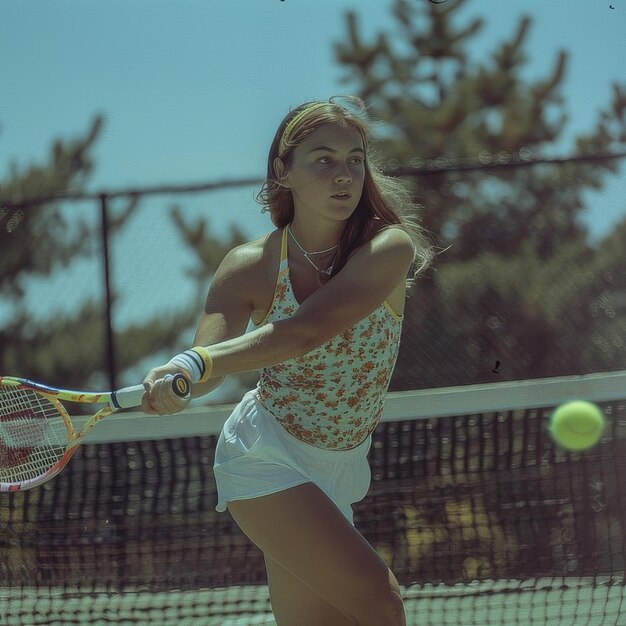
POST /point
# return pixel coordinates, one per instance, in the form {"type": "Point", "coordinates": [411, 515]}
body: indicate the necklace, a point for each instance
{"type": "Point", "coordinates": [308, 254]}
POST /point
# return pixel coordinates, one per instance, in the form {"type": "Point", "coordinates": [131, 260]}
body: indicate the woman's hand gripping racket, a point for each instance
{"type": "Point", "coordinates": [37, 437]}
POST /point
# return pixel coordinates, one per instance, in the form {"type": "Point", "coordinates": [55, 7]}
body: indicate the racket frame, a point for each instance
{"type": "Point", "coordinates": [127, 397]}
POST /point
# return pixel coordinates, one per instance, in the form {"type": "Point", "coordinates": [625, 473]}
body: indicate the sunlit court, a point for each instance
{"type": "Point", "coordinates": [312, 314]}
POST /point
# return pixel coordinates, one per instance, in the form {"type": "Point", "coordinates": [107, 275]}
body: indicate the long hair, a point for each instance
{"type": "Point", "coordinates": [383, 197]}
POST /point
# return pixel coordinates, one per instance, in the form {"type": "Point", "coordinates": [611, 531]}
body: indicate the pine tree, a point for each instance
{"type": "Point", "coordinates": [520, 282]}
{"type": "Point", "coordinates": [40, 239]}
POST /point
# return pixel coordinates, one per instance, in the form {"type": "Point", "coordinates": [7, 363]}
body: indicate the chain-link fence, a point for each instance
{"type": "Point", "coordinates": [96, 288]}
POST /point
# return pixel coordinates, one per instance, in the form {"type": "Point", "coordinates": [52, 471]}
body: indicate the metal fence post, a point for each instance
{"type": "Point", "coordinates": [109, 343]}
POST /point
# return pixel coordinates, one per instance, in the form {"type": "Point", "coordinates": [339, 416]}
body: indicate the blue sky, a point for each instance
{"type": "Point", "coordinates": [192, 91]}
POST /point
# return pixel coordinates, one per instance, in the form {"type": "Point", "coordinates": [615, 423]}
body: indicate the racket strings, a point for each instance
{"type": "Point", "coordinates": [33, 436]}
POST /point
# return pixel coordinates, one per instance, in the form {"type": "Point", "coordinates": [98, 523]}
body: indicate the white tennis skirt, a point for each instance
{"type": "Point", "coordinates": [256, 456]}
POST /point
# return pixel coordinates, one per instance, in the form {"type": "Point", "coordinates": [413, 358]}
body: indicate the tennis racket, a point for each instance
{"type": "Point", "coordinates": [37, 437]}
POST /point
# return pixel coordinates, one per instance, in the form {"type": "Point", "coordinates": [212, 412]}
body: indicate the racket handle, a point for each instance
{"type": "Point", "coordinates": [130, 397]}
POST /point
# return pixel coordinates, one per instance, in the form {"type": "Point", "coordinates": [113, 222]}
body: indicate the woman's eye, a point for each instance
{"type": "Point", "coordinates": [357, 160]}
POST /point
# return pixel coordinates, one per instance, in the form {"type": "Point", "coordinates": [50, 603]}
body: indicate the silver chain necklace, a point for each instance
{"type": "Point", "coordinates": [308, 254]}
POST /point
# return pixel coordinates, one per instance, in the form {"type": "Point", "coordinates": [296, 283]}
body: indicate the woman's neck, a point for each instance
{"type": "Point", "coordinates": [316, 239]}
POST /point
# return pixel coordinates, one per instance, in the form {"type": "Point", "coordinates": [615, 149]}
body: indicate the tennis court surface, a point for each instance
{"type": "Point", "coordinates": [482, 519]}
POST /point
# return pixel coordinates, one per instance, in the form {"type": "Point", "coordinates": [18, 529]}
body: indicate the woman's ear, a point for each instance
{"type": "Point", "coordinates": [279, 167]}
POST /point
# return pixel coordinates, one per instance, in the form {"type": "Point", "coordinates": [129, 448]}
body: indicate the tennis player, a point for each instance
{"type": "Point", "coordinates": [326, 292]}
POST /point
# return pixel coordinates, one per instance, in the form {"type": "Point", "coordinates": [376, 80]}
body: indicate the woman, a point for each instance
{"type": "Point", "coordinates": [326, 290]}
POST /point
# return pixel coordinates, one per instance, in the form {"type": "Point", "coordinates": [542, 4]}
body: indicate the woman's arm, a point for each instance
{"type": "Point", "coordinates": [226, 314]}
{"type": "Point", "coordinates": [365, 282]}
{"type": "Point", "coordinates": [361, 287]}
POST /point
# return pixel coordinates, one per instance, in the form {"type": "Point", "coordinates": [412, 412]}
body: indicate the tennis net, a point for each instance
{"type": "Point", "coordinates": [480, 516]}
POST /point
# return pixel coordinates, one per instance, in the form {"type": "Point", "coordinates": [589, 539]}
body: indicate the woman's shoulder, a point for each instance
{"type": "Point", "coordinates": [257, 250]}
{"type": "Point", "coordinates": [380, 230]}
{"type": "Point", "coordinates": [257, 263]}
{"type": "Point", "coordinates": [253, 259]}
{"type": "Point", "coordinates": [377, 226]}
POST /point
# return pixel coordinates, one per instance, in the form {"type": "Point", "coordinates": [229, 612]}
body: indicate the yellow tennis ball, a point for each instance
{"type": "Point", "coordinates": [577, 425]}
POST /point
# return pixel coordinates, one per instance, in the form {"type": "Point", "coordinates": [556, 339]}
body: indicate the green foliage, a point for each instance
{"type": "Point", "coordinates": [40, 237]}
{"type": "Point", "coordinates": [208, 249]}
{"type": "Point", "coordinates": [67, 350]}
{"type": "Point", "coordinates": [35, 239]}
{"type": "Point", "coordinates": [520, 283]}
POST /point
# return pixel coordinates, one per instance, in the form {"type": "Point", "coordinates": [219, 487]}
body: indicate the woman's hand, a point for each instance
{"type": "Point", "coordinates": [160, 397]}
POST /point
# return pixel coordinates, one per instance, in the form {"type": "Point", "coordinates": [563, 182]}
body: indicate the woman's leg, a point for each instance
{"type": "Point", "coordinates": [295, 604]}
{"type": "Point", "coordinates": [306, 534]}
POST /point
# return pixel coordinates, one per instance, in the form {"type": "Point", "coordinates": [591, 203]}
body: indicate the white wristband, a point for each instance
{"type": "Point", "coordinates": [197, 363]}
{"type": "Point", "coordinates": [190, 361]}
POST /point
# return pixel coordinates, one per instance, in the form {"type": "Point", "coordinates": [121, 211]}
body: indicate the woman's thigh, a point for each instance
{"type": "Point", "coordinates": [296, 604]}
{"type": "Point", "coordinates": [302, 530]}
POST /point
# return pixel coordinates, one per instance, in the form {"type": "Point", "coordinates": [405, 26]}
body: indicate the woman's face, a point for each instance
{"type": "Point", "coordinates": [331, 160]}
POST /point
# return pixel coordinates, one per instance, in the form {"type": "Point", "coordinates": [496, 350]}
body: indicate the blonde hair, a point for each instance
{"type": "Point", "coordinates": [383, 197]}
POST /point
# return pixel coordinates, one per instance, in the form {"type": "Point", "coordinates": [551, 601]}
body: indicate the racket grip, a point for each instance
{"type": "Point", "coordinates": [181, 386]}
{"type": "Point", "coordinates": [130, 397]}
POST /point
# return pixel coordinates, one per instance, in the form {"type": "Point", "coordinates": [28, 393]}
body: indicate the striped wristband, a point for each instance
{"type": "Point", "coordinates": [197, 362]}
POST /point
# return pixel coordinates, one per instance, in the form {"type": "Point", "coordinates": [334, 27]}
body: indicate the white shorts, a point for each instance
{"type": "Point", "coordinates": [256, 456]}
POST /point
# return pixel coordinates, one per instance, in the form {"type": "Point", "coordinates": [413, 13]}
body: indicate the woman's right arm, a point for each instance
{"type": "Point", "coordinates": [229, 304]}
{"type": "Point", "coordinates": [227, 310]}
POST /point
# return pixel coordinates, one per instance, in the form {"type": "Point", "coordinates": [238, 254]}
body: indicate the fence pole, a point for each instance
{"type": "Point", "coordinates": [109, 347]}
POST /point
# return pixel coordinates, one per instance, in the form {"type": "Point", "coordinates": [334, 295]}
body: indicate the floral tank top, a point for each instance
{"type": "Point", "coordinates": [333, 396]}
